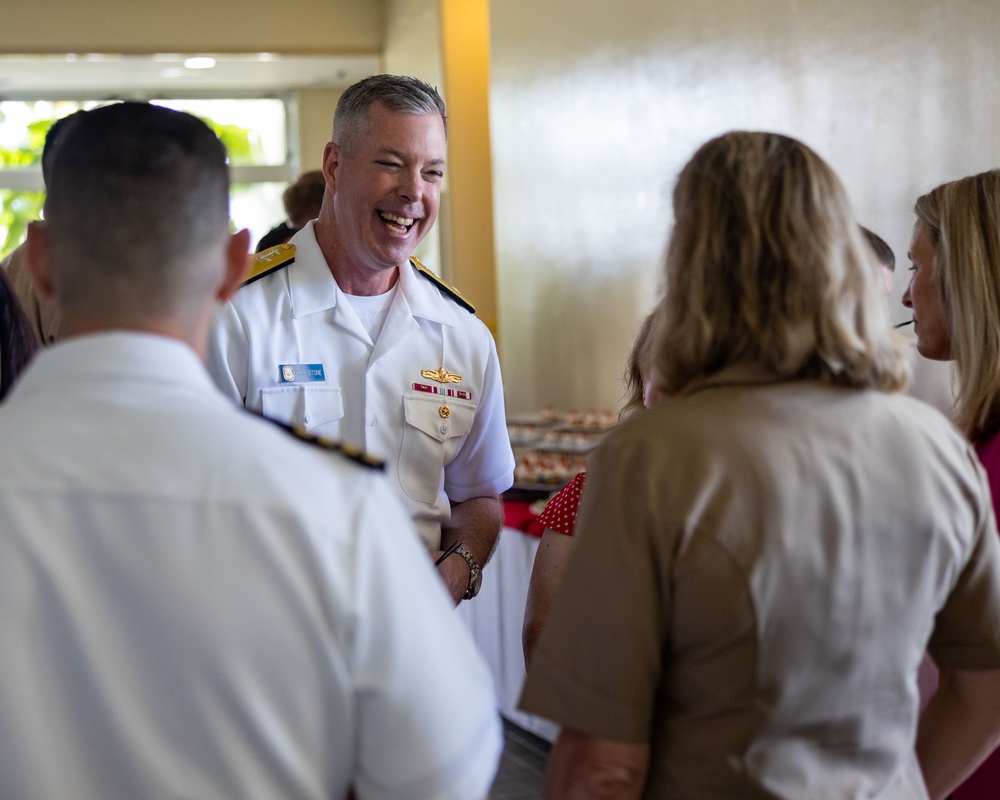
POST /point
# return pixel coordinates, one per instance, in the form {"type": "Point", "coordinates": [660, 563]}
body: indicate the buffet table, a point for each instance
{"type": "Point", "coordinates": [550, 448]}
{"type": "Point", "coordinates": [497, 613]}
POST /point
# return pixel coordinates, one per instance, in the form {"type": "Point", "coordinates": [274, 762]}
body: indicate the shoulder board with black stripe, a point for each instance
{"type": "Point", "coordinates": [348, 451]}
{"type": "Point", "coordinates": [267, 261]}
{"type": "Point", "coordinates": [443, 287]}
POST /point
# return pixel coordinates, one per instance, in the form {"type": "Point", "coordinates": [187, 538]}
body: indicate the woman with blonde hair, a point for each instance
{"type": "Point", "coordinates": [764, 556]}
{"type": "Point", "coordinates": [955, 296]}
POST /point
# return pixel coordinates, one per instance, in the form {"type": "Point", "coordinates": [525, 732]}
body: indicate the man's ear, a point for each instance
{"type": "Point", "coordinates": [331, 160]}
{"type": "Point", "coordinates": [39, 260]}
{"type": "Point", "coordinates": [237, 263]}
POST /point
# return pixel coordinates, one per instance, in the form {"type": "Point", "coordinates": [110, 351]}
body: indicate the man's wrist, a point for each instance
{"type": "Point", "coordinates": [475, 572]}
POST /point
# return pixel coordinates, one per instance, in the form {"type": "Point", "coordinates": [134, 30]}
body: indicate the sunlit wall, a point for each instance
{"type": "Point", "coordinates": [595, 106]}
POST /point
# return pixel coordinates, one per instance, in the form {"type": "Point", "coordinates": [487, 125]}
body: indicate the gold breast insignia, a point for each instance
{"type": "Point", "coordinates": [440, 375]}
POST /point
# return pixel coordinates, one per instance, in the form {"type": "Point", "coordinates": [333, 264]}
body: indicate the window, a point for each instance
{"type": "Point", "coordinates": [256, 132]}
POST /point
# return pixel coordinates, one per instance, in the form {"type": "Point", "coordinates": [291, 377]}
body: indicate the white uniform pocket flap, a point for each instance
{"type": "Point", "coordinates": [303, 404]}
{"type": "Point", "coordinates": [442, 418]}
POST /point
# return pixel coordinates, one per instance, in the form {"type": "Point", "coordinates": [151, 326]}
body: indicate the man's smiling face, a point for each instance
{"type": "Point", "coordinates": [386, 187]}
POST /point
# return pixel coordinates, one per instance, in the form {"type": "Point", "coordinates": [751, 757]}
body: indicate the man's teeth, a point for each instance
{"type": "Point", "coordinates": [406, 222]}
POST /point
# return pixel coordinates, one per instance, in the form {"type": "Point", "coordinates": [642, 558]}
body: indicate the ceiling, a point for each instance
{"type": "Point", "coordinates": [103, 75]}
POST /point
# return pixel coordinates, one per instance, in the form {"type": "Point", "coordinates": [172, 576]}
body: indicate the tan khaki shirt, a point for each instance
{"type": "Point", "coordinates": [759, 568]}
{"type": "Point", "coordinates": [44, 314]}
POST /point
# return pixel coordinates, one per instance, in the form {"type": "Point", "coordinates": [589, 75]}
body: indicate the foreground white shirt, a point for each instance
{"type": "Point", "coordinates": [197, 605]}
{"type": "Point", "coordinates": [440, 448]}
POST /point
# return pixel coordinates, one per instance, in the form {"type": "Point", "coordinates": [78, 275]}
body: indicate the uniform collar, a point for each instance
{"type": "Point", "coordinates": [423, 297]}
{"type": "Point", "coordinates": [742, 373]}
{"type": "Point", "coordinates": [312, 288]}
{"type": "Point", "coordinates": [116, 356]}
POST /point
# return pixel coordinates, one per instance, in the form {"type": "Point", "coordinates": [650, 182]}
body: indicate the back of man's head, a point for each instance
{"type": "Point", "coordinates": [137, 213]}
{"type": "Point", "coordinates": [53, 138]}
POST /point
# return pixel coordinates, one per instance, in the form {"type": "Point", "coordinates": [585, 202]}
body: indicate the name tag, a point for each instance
{"type": "Point", "coordinates": [301, 373]}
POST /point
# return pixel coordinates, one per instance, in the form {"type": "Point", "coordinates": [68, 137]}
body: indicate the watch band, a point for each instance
{"type": "Point", "coordinates": [475, 572]}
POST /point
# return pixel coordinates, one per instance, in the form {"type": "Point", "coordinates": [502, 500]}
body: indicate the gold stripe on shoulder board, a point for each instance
{"type": "Point", "coordinates": [348, 451]}
{"type": "Point", "coordinates": [443, 286]}
{"type": "Point", "coordinates": [267, 261]}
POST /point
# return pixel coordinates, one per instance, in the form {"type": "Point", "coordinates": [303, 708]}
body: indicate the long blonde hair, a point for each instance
{"type": "Point", "coordinates": [964, 219]}
{"type": "Point", "coordinates": [766, 263]}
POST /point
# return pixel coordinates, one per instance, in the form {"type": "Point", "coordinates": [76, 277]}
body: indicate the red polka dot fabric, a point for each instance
{"type": "Point", "coordinates": [559, 513]}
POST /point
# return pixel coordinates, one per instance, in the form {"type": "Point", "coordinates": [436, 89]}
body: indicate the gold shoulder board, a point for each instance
{"type": "Point", "coordinates": [443, 287]}
{"type": "Point", "coordinates": [267, 261]}
{"type": "Point", "coordinates": [348, 451]}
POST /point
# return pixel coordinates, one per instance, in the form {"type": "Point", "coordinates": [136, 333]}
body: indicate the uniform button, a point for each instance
{"type": "Point", "coordinates": [444, 429]}
{"type": "Point", "coordinates": [371, 422]}
{"type": "Point", "coordinates": [306, 419]}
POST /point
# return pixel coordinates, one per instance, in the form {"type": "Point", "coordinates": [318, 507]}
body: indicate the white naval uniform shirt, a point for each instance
{"type": "Point", "coordinates": [195, 604]}
{"type": "Point", "coordinates": [439, 448]}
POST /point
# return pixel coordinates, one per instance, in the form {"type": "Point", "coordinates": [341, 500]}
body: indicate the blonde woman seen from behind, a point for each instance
{"type": "Point", "coordinates": [764, 556]}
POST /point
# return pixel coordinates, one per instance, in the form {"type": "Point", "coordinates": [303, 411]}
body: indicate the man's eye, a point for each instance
{"type": "Point", "coordinates": [434, 174]}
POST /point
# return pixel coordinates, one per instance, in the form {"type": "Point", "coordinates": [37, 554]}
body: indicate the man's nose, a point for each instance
{"type": "Point", "coordinates": [906, 297]}
{"type": "Point", "coordinates": [411, 186]}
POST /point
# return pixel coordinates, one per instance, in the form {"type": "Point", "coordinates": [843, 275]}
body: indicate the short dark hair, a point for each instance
{"type": "Point", "coordinates": [17, 338]}
{"type": "Point", "coordinates": [882, 250]}
{"type": "Point", "coordinates": [399, 93]}
{"type": "Point", "coordinates": [139, 198]}
{"type": "Point", "coordinates": [53, 137]}
{"type": "Point", "coordinates": [303, 198]}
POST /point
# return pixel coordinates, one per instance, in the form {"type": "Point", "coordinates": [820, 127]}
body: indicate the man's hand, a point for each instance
{"type": "Point", "coordinates": [476, 524]}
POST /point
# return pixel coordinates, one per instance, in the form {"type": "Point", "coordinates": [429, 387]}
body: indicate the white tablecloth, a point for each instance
{"type": "Point", "coordinates": [495, 618]}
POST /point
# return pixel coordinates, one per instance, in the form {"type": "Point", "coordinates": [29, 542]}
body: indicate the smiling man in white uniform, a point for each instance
{"type": "Point", "coordinates": [340, 332]}
{"type": "Point", "coordinates": [195, 603]}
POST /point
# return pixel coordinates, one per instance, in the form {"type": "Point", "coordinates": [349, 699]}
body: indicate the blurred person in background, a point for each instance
{"type": "Point", "coordinates": [17, 339]}
{"type": "Point", "coordinates": [302, 200]}
{"type": "Point", "coordinates": [42, 312]}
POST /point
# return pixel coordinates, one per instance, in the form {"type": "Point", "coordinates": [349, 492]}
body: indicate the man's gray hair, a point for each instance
{"type": "Point", "coordinates": [399, 93]}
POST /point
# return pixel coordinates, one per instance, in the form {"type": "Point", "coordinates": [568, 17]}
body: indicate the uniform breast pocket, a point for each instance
{"type": "Point", "coordinates": [430, 440]}
{"type": "Point", "coordinates": [315, 408]}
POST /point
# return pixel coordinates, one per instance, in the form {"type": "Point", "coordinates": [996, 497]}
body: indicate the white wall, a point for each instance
{"type": "Point", "coordinates": [595, 106]}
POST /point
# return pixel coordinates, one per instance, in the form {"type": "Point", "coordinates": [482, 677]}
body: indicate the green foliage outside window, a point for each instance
{"type": "Point", "coordinates": [21, 207]}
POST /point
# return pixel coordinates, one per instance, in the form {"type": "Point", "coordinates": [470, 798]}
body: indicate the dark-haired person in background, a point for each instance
{"type": "Point", "coordinates": [42, 312]}
{"type": "Point", "coordinates": [302, 200]}
{"type": "Point", "coordinates": [17, 340]}
{"type": "Point", "coordinates": [886, 258]}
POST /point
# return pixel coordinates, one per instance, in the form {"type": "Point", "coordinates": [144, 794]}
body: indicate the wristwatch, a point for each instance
{"type": "Point", "coordinates": [475, 573]}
